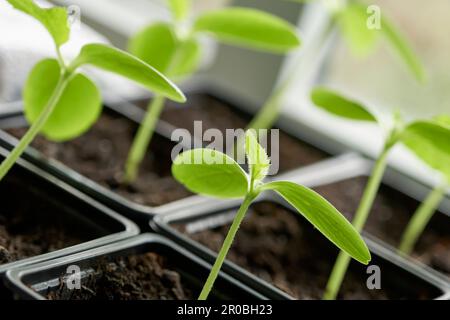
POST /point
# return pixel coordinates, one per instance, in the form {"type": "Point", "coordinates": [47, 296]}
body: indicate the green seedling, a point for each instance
{"type": "Point", "coordinates": [430, 141]}
{"type": "Point", "coordinates": [212, 173]}
{"type": "Point", "coordinates": [62, 103]}
{"type": "Point", "coordinates": [396, 132]}
{"type": "Point", "coordinates": [352, 20]}
{"type": "Point", "coordinates": [174, 48]}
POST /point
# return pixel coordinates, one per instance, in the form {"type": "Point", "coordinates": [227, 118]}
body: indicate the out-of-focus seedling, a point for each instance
{"type": "Point", "coordinates": [430, 141]}
{"type": "Point", "coordinates": [397, 132]}
{"type": "Point", "coordinates": [62, 103]}
{"type": "Point", "coordinates": [353, 19]}
{"type": "Point", "coordinates": [174, 48]}
{"type": "Point", "coordinates": [212, 173]}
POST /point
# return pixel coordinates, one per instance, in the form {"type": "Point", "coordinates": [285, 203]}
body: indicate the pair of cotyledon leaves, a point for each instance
{"type": "Point", "coordinates": [159, 45]}
{"type": "Point", "coordinates": [352, 20]}
{"type": "Point", "coordinates": [80, 103]}
{"type": "Point", "coordinates": [429, 140]}
{"type": "Point", "coordinates": [212, 173]}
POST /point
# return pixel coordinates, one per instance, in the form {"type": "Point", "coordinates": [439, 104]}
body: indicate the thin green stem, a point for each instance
{"type": "Point", "coordinates": [420, 219]}
{"type": "Point", "coordinates": [61, 61]}
{"type": "Point", "coordinates": [370, 192]}
{"type": "Point", "coordinates": [226, 247]}
{"type": "Point", "coordinates": [270, 111]}
{"type": "Point", "coordinates": [143, 138]}
{"type": "Point", "coordinates": [268, 114]}
{"type": "Point", "coordinates": [36, 127]}
{"type": "Point", "coordinates": [147, 128]}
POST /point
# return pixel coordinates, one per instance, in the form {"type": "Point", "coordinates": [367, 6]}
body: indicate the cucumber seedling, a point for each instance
{"type": "Point", "coordinates": [174, 48]}
{"type": "Point", "coordinates": [212, 173]}
{"type": "Point", "coordinates": [351, 19]}
{"type": "Point", "coordinates": [397, 132]}
{"type": "Point", "coordinates": [62, 103]}
{"type": "Point", "coordinates": [430, 142]}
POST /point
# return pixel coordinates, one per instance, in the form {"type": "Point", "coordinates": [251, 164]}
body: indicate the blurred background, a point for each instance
{"type": "Point", "coordinates": [386, 82]}
{"type": "Point", "coordinates": [380, 79]}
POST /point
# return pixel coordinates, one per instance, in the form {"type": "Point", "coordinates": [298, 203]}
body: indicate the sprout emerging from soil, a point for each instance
{"type": "Point", "coordinates": [212, 173]}
{"type": "Point", "coordinates": [62, 103]}
{"type": "Point", "coordinates": [426, 138]}
{"type": "Point", "coordinates": [175, 49]}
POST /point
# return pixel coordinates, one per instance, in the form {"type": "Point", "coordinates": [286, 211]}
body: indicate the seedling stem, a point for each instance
{"type": "Point", "coordinates": [421, 218]}
{"type": "Point", "coordinates": [34, 130]}
{"type": "Point", "coordinates": [359, 221]}
{"type": "Point", "coordinates": [143, 138]}
{"type": "Point", "coordinates": [146, 130]}
{"type": "Point", "coordinates": [226, 247]}
{"type": "Point", "coordinates": [269, 113]}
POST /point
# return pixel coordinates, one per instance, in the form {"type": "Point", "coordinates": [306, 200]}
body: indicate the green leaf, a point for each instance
{"type": "Point", "coordinates": [352, 21]}
{"type": "Point", "coordinates": [327, 219]}
{"type": "Point", "coordinates": [77, 110]}
{"type": "Point", "coordinates": [180, 8]}
{"type": "Point", "coordinates": [158, 46]}
{"type": "Point", "coordinates": [187, 59]}
{"type": "Point", "coordinates": [212, 173]}
{"type": "Point", "coordinates": [340, 106]}
{"type": "Point", "coordinates": [431, 143]}
{"type": "Point", "coordinates": [443, 120]}
{"type": "Point", "coordinates": [123, 63]}
{"type": "Point", "coordinates": [400, 45]}
{"type": "Point", "coordinates": [249, 28]}
{"type": "Point", "coordinates": [258, 161]}
{"type": "Point", "coordinates": [53, 19]}
{"type": "Point", "coordinates": [155, 45]}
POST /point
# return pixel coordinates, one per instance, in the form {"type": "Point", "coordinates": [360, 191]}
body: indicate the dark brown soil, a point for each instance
{"type": "Point", "coordinates": [141, 277]}
{"type": "Point", "coordinates": [31, 225]}
{"type": "Point", "coordinates": [100, 155]}
{"type": "Point", "coordinates": [219, 115]}
{"type": "Point", "coordinates": [389, 217]}
{"type": "Point", "coordinates": [277, 246]}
